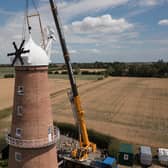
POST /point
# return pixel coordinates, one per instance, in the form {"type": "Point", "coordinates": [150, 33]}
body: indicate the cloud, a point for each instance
{"type": "Point", "coordinates": [140, 7]}
{"type": "Point", "coordinates": [73, 51]}
{"type": "Point", "coordinates": [76, 8]}
{"type": "Point", "coordinates": [149, 2]}
{"type": "Point", "coordinates": [163, 22]}
{"type": "Point", "coordinates": [103, 36]}
{"type": "Point", "coordinates": [152, 2]}
{"type": "Point", "coordinates": [96, 51]}
{"type": "Point", "coordinates": [5, 12]}
{"type": "Point", "coordinates": [104, 24]}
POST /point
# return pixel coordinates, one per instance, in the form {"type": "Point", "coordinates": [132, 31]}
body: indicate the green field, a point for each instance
{"type": "Point", "coordinates": [77, 77]}
{"type": "Point", "coordinates": [6, 70]}
{"type": "Point", "coordinates": [10, 70]}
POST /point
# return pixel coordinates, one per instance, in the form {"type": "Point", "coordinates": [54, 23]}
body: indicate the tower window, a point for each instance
{"type": "Point", "coordinates": [19, 110]}
{"type": "Point", "coordinates": [18, 156]}
{"type": "Point", "coordinates": [18, 132]}
{"type": "Point", "coordinates": [20, 90]}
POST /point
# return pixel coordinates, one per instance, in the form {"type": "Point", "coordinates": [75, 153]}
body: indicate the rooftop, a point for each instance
{"type": "Point", "coordinates": [109, 161]}
{"type": "Point", "coordinates": [126, 148]}
{"type": "Point", "coordinates": [145, 150]}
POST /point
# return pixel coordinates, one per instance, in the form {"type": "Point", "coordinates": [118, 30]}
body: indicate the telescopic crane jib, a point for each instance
{"type": "Point", "coordinates": [85, 145]}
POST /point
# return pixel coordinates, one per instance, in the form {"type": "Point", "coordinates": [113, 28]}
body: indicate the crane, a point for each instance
{"type": "Point", "coordinates": [85, 146]}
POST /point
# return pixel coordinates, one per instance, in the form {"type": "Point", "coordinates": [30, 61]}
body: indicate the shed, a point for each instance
{"type": "Point", "coordinates": [145, 155]}
{"type": "Point", "coordinates": [163, 156]}
{"type": "Point", "coordinates": [126, 155]}
{"type": "Point", "coordinates": [110, 161]}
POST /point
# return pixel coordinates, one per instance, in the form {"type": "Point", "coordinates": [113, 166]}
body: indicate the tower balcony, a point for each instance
{"type": "Point", "coordinates": [34, 143]}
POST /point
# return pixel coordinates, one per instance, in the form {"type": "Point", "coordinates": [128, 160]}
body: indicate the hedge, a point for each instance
{"type": "Point", "coordinates": [101, 140]}
{"type": "Point", "coordinates": [8, 75]}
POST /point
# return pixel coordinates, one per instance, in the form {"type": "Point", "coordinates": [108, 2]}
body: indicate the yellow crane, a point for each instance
{"type": "Point", "coordinates": [85, 146]}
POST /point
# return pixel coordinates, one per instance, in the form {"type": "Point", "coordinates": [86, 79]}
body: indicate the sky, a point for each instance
{"type": "Point", "coordinates": [95, 30]}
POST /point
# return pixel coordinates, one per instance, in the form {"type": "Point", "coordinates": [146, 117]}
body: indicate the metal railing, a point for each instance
{"type": "Point", "coordinates": [34, 143]}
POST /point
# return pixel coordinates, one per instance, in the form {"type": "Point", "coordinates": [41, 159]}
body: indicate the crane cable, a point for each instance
{"type": "Point", "coordinates": [23, 37]}
{"type": "Point", "coordinates": [40, 23]}
{"type": "Point", "coordinates": [27, 22]}
{"type": "Point", "coordinates": [27, 11]}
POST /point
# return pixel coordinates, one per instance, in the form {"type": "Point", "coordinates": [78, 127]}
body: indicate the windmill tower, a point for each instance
{"type": "Point", "coordinates": [32, 139]}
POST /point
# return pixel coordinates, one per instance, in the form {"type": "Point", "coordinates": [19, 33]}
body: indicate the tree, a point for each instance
{"type": "Point", "coordinates": [77, 71]}
{"type": "Point", "coordinates": [109, 70]}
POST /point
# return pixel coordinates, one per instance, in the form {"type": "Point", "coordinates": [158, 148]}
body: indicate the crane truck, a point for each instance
{"type": "Point", "coordinates": [85, 146]}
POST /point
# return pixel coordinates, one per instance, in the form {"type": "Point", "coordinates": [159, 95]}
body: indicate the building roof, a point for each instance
{"type": "Point", "coordinates": [126, 148]}
{"type": "Point", "coordinates": [36, 56]}
{"type": "Point", "coordinates": [163, 152]}
{"type": "Point", "coordinates": [109, 161]}
{"type": "Point", "coordinates": [146, 150]}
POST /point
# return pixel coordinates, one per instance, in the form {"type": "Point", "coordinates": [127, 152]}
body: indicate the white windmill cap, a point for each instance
{"type": "Point", "coordinates": [36, 56]}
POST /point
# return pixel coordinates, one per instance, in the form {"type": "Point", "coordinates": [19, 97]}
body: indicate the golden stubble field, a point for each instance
{"type": "Point", "coordinates": [131, 109]}
{"type": "Point", "coordinates": [6, 93]}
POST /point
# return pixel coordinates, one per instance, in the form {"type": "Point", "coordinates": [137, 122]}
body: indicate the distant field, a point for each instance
{"type": "Point", "coordinates": [77, 77]}
{"type": "Point", "coordinates": [6, 70]}
{"type": "Point", "coordinates": [132, 109]}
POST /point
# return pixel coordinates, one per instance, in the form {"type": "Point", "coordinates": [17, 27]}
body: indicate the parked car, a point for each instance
{"type": "Point", "coordinates": [145, 156]}
{"type": "Point", "coordinates": [163, 156]}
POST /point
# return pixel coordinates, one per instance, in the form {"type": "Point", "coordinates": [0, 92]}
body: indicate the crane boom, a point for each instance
{"type": "Point", "coordinates": [86, 144]}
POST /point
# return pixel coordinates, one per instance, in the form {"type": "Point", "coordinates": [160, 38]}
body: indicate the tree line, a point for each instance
{"type": "Point", "coordinates": [157, 69]}
{"type": "Point", "coordinates": [153, 69]}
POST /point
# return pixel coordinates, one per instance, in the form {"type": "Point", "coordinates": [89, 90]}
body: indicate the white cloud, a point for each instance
{"type": "Point", "coordinates": [5, 12]}
{"type": "Point", "coordinates": [69, 10]}
{"type": "Point", "coordinates": [104, 24]}
{"type": "Point", "coordinates": [163, 22]}
{"type": "Point", "coordinates": [75, 8]}
{"type": "Point", "coordinates": [96, 51]}
{"type": "Point", "coordinates": [148, 2]}
{"type": "Point", "coordinates": [142, 6]}
{"type": "Point", "coordinates": [151, 2]}
{"type": "Point", "coordinates": [73, 51]}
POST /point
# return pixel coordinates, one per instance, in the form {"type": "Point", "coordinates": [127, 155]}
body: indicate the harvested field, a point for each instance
{"type": "Point", "coordinates": [7, 88]}
{"type": "Point", "coordinates": [131, 109]}
{"type": "Point", "coordinates": [6, 93]}
{"type": "Point", "coordinates": [6, 98]}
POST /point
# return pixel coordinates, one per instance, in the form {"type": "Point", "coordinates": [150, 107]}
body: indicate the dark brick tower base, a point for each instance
{"type": "Point", "coordinates": [32, 138]}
